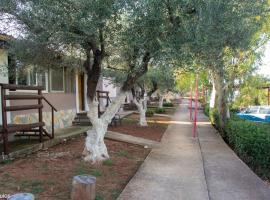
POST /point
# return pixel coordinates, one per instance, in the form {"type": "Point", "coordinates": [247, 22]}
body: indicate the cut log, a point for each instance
{"type": "Point", "coordinates": [83, 187]}
{"type": "Point", "coordinates": [22, 196]}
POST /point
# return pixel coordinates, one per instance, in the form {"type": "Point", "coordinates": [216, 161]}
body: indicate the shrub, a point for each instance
{"type": "Point", "coordinates": [167, 104]}
{"type": "Point", "coordinates": [206, 109]}
{"type": "Point", "coordinates": [251, 141]}
{"type": "Point", "coordinates": [160, 110]}
{"type": "Point", "coordinates": [214, 117]}
{"type": "Point", "coordinates": [108, 162]}
{"type": "Point", "coordinates": [149, 113]}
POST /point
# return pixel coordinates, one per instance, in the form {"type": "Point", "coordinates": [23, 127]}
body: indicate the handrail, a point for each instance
{"type": "Point", "coordinates": [53, 109]}
{"type": "Point", "coordinates": [50, 104]}
{"type": "Point", "coordinates": [20, 87]}
{"type": "Point", "coordinates": [8, 128]}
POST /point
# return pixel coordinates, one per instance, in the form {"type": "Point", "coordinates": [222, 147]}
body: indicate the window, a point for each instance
{"type": "Point", "coordinates": [70, 82]}
{"type": "Point", "coordinates": [252, 110]}
{"type": "Point", "coordinates": [32, 76]}
{"type": "Point", "coordinates": [57, 80]}
{"type": "Point", "coordinates": [264, 110]}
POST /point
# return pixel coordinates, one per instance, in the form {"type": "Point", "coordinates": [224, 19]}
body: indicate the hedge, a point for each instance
{"type": "Point", "coordinates": [149, 113]}
{"type": "Point", "coordinates": [168, 104]}
{"type": "Point", "coordinates": [160, 110]}
{"type": "Point", "coordinates": [251, 141]}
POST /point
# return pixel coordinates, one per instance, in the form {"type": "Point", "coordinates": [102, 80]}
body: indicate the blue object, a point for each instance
{"type": "Point", "coordinates": [22, 196]}
{"type": "Point", "coordinates": [256, 114]}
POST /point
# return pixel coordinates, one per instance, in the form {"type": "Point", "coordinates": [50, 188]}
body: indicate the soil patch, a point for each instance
{"type": "Point", "coordinates": [48, 174]}
{"type": "Point", "coordinates": [155, 130]}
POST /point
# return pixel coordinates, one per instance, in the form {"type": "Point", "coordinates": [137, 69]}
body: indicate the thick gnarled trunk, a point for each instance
{"type": "Point", "coordinates": [95, 149]}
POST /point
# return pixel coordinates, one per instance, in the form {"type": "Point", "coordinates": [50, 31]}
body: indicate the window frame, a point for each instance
{"type": "Point", "coordinates": [50, 76]}
{"type": "Point", "coordinates": [46, 90]}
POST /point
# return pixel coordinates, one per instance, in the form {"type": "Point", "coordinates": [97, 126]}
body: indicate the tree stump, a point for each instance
{"type": "Point", "coordinates": [22, 196]}
{"type": "Point", "coordinates": [83, 187]}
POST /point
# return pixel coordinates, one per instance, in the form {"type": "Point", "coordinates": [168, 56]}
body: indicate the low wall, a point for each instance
{"type": "Point", "coordinates": [62, 118]}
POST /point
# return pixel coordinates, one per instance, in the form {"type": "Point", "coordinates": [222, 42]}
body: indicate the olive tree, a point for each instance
{"type": "Point", "coordinates": [99, 34]}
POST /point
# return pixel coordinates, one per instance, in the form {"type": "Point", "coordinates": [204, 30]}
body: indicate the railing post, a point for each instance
{"type": "Point", "coordinates": [190, 104]}
{"type": "Point", "coordinates": [196, 109]}
{"type": "Point", "coordinates": [52, 122]}
{"type": "Point", "coordinates": [99, 110]}
{"type": "Point", "coordinates": [40, 116]}
{"type": "Point", "coordinates": [4, 121]}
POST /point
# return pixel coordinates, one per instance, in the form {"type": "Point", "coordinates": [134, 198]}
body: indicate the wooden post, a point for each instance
{"type": "Point", "coordinates": [83, 187]}
{"type": "Point", "coordinates": [52, 122]}
{"type": "Point", "coordinates": [99, 110]}
{"type": "Point", "coordinates": [22, 196]}
{"type": "Point", "coordinates": [4, 121]}
{"type": "Point", "coordinates": [40, 116]}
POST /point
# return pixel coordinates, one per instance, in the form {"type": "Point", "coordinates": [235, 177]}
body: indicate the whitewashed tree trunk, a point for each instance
{"type": "Point", "coordinates": [160, 101]}
{"type": "Point", "coordinates": [95, 149]}
{"type": "Point", "coordinates": [213, 94]}
{"type": "Point", "coordinates": [142, 108]}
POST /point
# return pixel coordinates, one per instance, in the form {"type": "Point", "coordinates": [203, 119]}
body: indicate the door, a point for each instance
{"type": "Point", "coordinates": [81, 92]}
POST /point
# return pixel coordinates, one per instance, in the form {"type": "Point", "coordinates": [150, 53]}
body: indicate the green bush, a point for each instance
{"type": "Point", "coordinates": [206, 109]}
{"type": "Point", "coordinates": [149, 113]}
{"type": "Point", "coordinates": [251, 141]}
{"type": "Point", "coordinates": [167, 104]}
{"type": "Point", "coordinates": [160, 110]}
{"type": "Point", "coordinates": [213, 115]}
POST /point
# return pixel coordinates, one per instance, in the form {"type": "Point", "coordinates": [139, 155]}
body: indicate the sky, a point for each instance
{"type": "Point", "coordinates": [264, 68]}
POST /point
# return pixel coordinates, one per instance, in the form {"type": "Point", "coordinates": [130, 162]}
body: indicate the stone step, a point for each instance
{"type": "Point", "coordinates": [81, 119]}
{"type": "Point", "coordinates": [81, 123]}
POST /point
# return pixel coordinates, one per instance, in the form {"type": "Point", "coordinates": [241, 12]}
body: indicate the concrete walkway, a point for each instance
{"type": "Point", "coordinates": [183, 168]}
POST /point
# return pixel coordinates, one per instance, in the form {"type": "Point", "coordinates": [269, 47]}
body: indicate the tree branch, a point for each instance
{"type": "Point", "coordinates": [154, 88]}
{"type": "Point", "coordinates": [134, 75]}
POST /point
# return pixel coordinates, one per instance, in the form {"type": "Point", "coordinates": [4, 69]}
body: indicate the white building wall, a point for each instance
{"type": "Point", "coordinates": [109, 86]}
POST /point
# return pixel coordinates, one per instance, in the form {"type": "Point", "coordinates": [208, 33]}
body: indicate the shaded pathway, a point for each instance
{"type": "Point", "coordinates": [183, 168]}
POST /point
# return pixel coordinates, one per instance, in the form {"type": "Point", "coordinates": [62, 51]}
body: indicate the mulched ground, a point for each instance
{"type": "Point", "coordinates": [154, 131]}
{"type": "Point", "coordinates": [48, 174]}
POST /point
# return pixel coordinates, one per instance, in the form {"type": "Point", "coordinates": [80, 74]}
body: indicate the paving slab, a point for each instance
{"type": "Point", "coordinates": [174, 171]}
{"type": "Point", "coordinates": [184, 168]}
{"type": "Point", "coordinates": [228, 177]}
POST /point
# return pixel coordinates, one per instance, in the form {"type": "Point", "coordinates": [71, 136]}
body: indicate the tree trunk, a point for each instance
{"type": "Point", "coordinates": [142, 108]}
{"type": "Point", "coordinates": [213, 95]}
{"type": "Point", "coordinates": [221, 100]}
{"type": "Point", "coordinates": [160, 101]}
{"type": "Point", "coordinates": [95, 149]}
